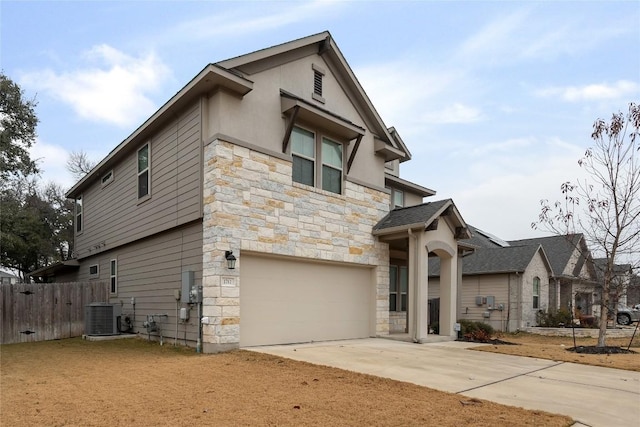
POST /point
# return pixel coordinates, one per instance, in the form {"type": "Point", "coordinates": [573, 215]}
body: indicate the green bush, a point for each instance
{"type": "Point", "coordinates": [554, 319]}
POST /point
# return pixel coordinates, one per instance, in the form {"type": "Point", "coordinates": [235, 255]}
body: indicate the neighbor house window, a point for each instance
{"type": "Point", "coordinates": [143, 171]}
{"type": "Point", "coordinates": [79, 214]}
{"type": "Point", "coordinates": [536, 292]}
{"type": "Point", "coordinates": [331, 166]}
{"type": "Point", "coordinates": [307, 149]}
{"type": "Point", "coordinates": [113, 274]}
{"type": "Point", "coordinates": [398, 287]}
{"type": "Point", "coordinates": [94, 271]}
{"type": "Point", "coordinates": [398, 199]}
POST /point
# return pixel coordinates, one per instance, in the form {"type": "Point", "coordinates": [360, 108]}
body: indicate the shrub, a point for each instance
{"type": "Point", "coordinates": [555, 319]}
{"type": "Point", "coordinates": [476, 331]}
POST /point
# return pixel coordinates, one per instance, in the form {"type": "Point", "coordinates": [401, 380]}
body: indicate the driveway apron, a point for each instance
{"type": "Point", "coordinates": [591, 395]}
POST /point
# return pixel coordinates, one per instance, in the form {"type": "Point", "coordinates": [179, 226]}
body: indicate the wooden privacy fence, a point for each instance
{"type": "Point", "coordinates": [46, 311]}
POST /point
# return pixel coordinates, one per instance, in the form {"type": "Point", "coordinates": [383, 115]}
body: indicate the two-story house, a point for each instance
{"type": "Point", "coordinates": [278, 160]}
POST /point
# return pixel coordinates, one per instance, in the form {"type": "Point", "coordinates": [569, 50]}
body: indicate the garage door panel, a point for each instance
{"type": "Point", "coordinates": [288, 301]}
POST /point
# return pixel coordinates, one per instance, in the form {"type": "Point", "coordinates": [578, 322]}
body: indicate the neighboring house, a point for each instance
{"type": "Point", "coordinates": [502, 285]}
{"type": "Point", "coordinates": [278, 159]}
{"type": "Point", "coordinates": [8, 279]}
{"type": "Point", "coordinates": [573, 284]}
{"type": "Point", "coordinates": [619, 284]}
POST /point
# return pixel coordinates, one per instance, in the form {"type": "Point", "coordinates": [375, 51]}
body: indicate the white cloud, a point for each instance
{"type": "Point", "coordinates": [454, 113]}
{"type": "Point", "coordinates": [114, 87]}
{"type": "Point", "coordinates": [52, 160]}
{"type": "Point", "coordinates": [241, 21]}
{"type": "Point", "coordinates": [594, 92]}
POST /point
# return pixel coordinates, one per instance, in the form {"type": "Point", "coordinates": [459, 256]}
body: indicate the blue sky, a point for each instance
{"type": "Point", "coordinates": [506, 96]}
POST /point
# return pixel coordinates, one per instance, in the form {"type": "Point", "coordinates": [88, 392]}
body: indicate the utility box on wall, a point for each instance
{"type": "Point", "coordinates": [491, 302]}
{"type": "Point", "coordinates": [188, 283]}
{"type": "Point", "coordinates": [479, 300]}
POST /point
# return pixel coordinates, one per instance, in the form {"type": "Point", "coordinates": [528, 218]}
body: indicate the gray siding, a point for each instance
{"type": "Point", "coordinates": [151, 271]}
{"type": "Point", "coordinates": [113, 215]}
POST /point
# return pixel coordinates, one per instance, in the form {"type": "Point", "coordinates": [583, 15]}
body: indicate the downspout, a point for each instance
{"type": "Point", "coordinates": [414, 302]}
{"type": "Point", "coordinates": [508, 302]}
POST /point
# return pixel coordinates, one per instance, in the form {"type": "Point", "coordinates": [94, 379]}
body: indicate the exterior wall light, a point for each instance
{"type": "Point", "coordinates": [231, 260]}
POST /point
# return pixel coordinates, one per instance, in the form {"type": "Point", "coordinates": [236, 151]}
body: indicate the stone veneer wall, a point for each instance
{"type": "Point", "coordinates": [397, 321]}
{"type": "Point", "coordinates": [251, 203]}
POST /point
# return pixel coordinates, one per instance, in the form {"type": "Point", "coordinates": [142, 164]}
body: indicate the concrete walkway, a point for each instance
{"type": "Point", "coordinates": [593, 396]}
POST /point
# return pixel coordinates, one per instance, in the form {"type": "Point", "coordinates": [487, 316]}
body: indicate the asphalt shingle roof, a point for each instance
{"type": "Point", "coordinates": [410, 215]}
{"type": "Point", "coordinates": [492, 260]}
{"type": "Point", "coordinates": [557, 248]}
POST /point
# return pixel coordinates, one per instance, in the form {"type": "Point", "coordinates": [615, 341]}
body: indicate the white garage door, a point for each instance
{"type": "Point", "coordinates": [289, 301]}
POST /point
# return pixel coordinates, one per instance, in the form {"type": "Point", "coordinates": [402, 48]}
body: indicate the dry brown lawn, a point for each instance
{"type": "Point", "coordinates": [555, 348]}
{"type": "Point", "coordinates": [137, 383]}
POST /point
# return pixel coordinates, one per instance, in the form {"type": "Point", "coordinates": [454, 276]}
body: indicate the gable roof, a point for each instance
{"type": "Point", "coordinates": [483, 239]}
{"type": "Point", "coordinates": [323, 44]}
{"type": "Point", "coordinates": [559, 249]}
{"type": "Point", "coordinates": [511, 259]}
{"type": "Point", "coordinates": [420, 216]}
{"type": "Point", "coordinates": [229, 74]}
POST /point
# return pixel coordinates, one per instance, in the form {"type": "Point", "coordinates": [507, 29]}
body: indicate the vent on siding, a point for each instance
{"type": "Point", "coordinates": [317, 82]}
{"type": "Point", "coordinates": [101, 318]}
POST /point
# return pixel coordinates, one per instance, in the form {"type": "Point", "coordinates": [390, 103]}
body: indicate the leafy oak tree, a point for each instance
{"type": "Point", "coordinates": [604, 206]}
{"type": "Point", "coordinates": [18, 123]}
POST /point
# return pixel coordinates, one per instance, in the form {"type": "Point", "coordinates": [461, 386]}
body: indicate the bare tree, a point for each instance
{"type": "Point", "coordinates": [605, 206]}
{"type": "Point", "coordinates": [79, 164]}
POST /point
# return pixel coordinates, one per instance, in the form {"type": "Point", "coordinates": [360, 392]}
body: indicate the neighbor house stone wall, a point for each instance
{"type": "Point", "coordinates": [251, 204]}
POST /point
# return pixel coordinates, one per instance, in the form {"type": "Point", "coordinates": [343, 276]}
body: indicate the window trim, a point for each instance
{"type": "Point", "coordinates": [97, 273]}
{"type": "Point", "coordinates": [536, 293]}
{"type": "Point", "coordinates": [78, 215]}
{"type": "Point", "coordinates": [318, 161]}
{"type": "Point", "coordinates": [327, 165]}
{"type": "Point", "coordinates": [394, 192]}
{"type": "Point", "coordinates": [146, 196]}
{"type": "Point", "coordinates": [399, 292]}
{"type": "Point", "coordinates": [113, 277]}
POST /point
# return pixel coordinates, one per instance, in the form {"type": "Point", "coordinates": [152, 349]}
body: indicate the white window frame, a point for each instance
{"type": "Point", "coordinates": [395, 193]}
{"type": "Point", "coordinates": [113, 276]}
{"type": "Point", "coordinates": [79, 214]}
{"type": "Point", "coordinates": [147, 170]}
{"type": "Point", "coordinates": [96, 274]}
{"type": "Point", "coordinates": [327, 165]}
{"type": "Point", "coordinates": [318, 162]}
{"type": "Point", "coordinates": [107, 178]}
{"type": "Point", "coordinates": [536, 292]}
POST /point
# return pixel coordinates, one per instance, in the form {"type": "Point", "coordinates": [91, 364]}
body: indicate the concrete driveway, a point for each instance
{"type": "Point", "coordinates": [591, 395]}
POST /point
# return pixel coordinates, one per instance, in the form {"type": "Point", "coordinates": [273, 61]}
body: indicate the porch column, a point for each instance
{"type": "Point", "coordinates": [448, 294]}
{"type": "Point", "coordinates": [418, 288]}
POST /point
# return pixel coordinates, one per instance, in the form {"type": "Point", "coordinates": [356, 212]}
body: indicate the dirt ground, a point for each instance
{"type": "Point", "coordinates": [555, 348]}
{"type": "Point", "coordinates": [137, 383]}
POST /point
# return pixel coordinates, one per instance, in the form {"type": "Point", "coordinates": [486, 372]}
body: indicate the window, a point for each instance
{"type": "Point", "coordinates": [305, 151]}
{"type": "Point", "coordinates": [331, 166]}
{"type": "Point", "coordinates": [398, 286]}
{"type": "Point", "coordinates": [107, 178]}
{"type": "Point", "coordinates": [536, 292]}
{"type": "Point", "coordinates": [398, 199]}
{"type": "Point", "coordinates": [79, 214]}
{"type": "Point", "coordinates": [143, 171]}
{"type": "Point", "coordinates": [94, 271]}
{"type": "Point", "coordinates": [113, 274]}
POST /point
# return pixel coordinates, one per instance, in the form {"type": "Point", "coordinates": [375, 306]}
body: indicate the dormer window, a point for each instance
{"type": "Point", "coordinates": [318, 74]}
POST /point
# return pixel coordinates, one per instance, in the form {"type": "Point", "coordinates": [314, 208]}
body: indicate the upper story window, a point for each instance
{"type": "Point", "coordinates": [78, 210]}
{"type": "Point", "coordinates": [107, 178]}
{"type": "Point", "coordinates": [94, 271]}
{"type": "Point", "coordinates": [536, 292]}
{"type": "Point", "coordinates": [398, 198]}
{"type": "Point", "coordinates": [331, 166]}
{"type": "Point", "coordinates": [143, 171]}
{"type": "Point", "coordinates": [303, 152]}
{"type": "Point", "coordinates": [307, 150]}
